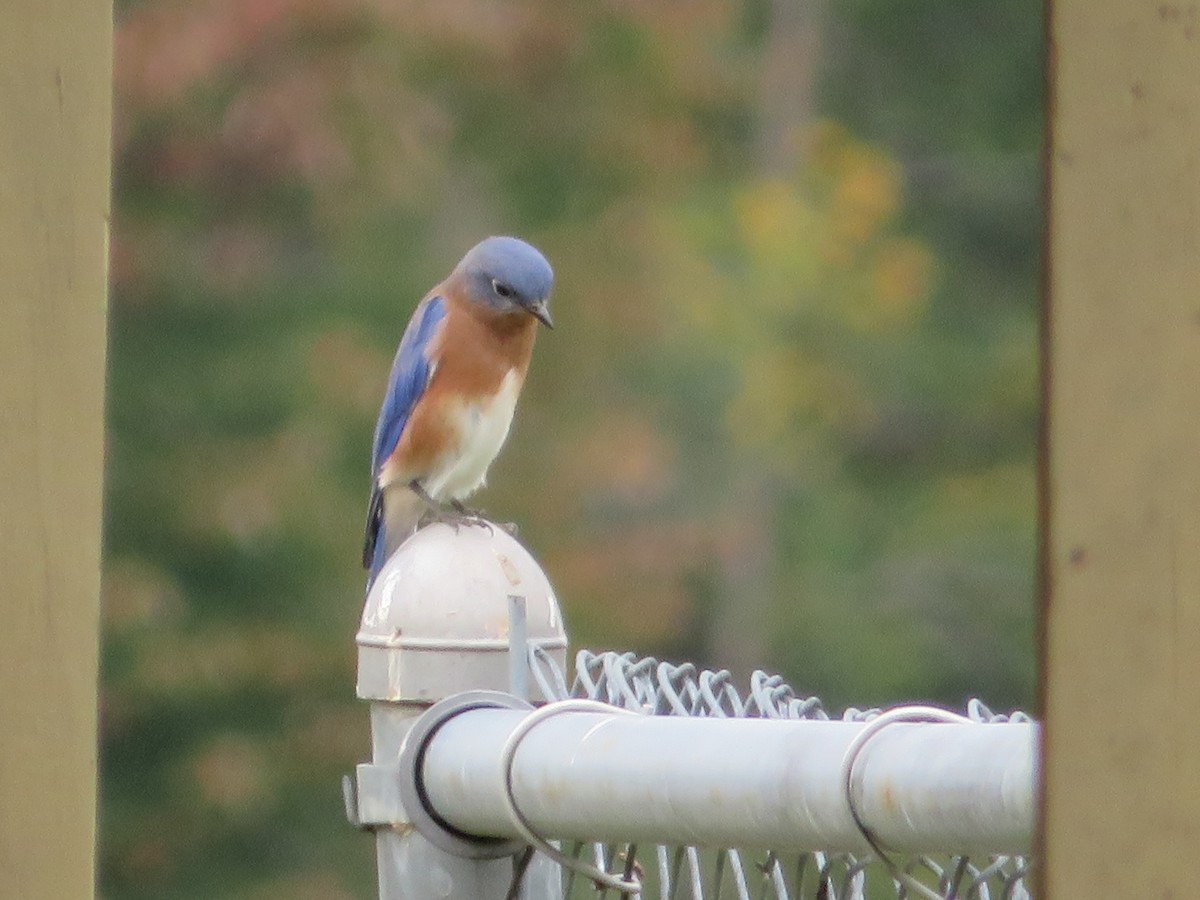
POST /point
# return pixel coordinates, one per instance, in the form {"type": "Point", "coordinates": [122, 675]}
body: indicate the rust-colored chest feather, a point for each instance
{"type": "Point", "coordinates": [481, 360]}
{"type": "Point", "coordinates": [478, 347]}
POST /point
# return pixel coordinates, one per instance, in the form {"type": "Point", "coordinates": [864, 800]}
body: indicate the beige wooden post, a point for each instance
{"type": "Point", "coordinates": [1121, 684]}
{"type": "Point", "coordinates": [55, 88]}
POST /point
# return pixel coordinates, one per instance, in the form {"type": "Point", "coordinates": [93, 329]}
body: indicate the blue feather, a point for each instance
{"type": "Point", "coordinates": [411, 372]}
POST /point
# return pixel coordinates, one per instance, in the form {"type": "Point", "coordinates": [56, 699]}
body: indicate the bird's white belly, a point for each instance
{"type": "Point", "coordinates": [483, 427]}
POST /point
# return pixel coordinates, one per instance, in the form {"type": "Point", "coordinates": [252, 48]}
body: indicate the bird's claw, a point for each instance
{"type": "Point", "coordinates": [455, 514]}
{"type": "Point", "coordinates": [475, 517]}
{"type": "Point", "coordinates": [455, 519]}
{"type": "Point", "coordinates": [474, 520]}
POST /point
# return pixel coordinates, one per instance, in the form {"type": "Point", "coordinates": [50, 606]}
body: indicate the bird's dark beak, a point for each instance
{"type": "Point", "coordinates": [541, 312]}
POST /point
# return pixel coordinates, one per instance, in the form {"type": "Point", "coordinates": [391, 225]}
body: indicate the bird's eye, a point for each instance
{"type": "Point", "coordinates": [502, 289]}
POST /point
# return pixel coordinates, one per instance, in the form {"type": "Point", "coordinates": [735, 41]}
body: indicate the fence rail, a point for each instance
{"type": "Point", "coordinates": [590, 775]}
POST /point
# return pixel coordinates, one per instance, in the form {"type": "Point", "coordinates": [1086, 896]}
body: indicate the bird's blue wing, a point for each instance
{"type": "Point", "coordinates": [411, 372]}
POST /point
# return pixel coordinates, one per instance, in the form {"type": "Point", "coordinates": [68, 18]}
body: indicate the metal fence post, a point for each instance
{"type": "Point", "coordinates": [437, 622]}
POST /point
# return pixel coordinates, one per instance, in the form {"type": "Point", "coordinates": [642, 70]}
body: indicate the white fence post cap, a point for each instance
{"type": "Point", "coordinates": [436, 620]}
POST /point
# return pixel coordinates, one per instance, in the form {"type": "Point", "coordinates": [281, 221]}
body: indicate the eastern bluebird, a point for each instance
{"type": "Point", "coordinates": [453, 388]}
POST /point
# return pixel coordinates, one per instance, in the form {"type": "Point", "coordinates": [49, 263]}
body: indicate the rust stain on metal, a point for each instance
{"type": "Point", "coordinates": [509, 570]}
{"type": "Point", "coordinates": [889, 798]}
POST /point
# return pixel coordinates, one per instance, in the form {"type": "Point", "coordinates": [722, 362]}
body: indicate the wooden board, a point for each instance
{"type": "Point", "coordinates": [55, 120]}
{"type": "Point", "coordinates": [1121, 637]}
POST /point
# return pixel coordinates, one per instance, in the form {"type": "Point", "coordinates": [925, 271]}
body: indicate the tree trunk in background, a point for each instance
{"type": "Point", "coordinates": [740, 625]}
{"type": "Point", "coordinates": [789, 80]}
{"type": "Point", "coordinates": [740, 635]}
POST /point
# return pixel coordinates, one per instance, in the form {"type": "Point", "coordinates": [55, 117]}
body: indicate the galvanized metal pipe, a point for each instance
{"type": "Point", "coordinates": [948, 788]}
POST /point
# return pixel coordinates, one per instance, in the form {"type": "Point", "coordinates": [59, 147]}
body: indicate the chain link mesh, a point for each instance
{"type": "Point", "coordinates": [689, 873]}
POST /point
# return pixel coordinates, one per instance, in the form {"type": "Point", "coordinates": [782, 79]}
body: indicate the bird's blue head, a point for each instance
{"type": "Point", "coordinates": [509, 275]}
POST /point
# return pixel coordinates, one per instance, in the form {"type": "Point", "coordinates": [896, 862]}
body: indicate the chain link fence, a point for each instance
{"type": "Point", "coordinates": [688, 873]}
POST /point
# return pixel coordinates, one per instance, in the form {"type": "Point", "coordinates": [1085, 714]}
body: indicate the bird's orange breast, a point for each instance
{"type": "Point", "coordinates": [474, 352]}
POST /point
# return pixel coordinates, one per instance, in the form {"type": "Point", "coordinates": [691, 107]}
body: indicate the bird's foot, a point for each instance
{"type": "Point", "coordinates": [475, 517]}
{"type": "Point", "coordinates": [477, 520]}
{"type": "Point", "coordinates": [453, 513]}
{"type": "Point", "coordinates": [453, 518]}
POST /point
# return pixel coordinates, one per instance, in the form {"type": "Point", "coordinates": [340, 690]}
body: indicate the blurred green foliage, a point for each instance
{"type": "Point", "coordinates": [787, 418]}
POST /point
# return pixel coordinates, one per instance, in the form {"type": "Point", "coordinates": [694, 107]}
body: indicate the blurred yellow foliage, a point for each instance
{"type": "Point", "coordinates": [866, 195]}
{"type": "Point", "coordinates": [783, 394]}
{"type": "Point", "coordinates": [1005, 492]}
{"type": "Point", "coordinates": [781, 231]}
{"type": "Point", "coordinates": [902, 275]}
{"type": "Point", "coordinates": [780, 387]}
{"type": "Point", "coordinates": [817, 268]}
